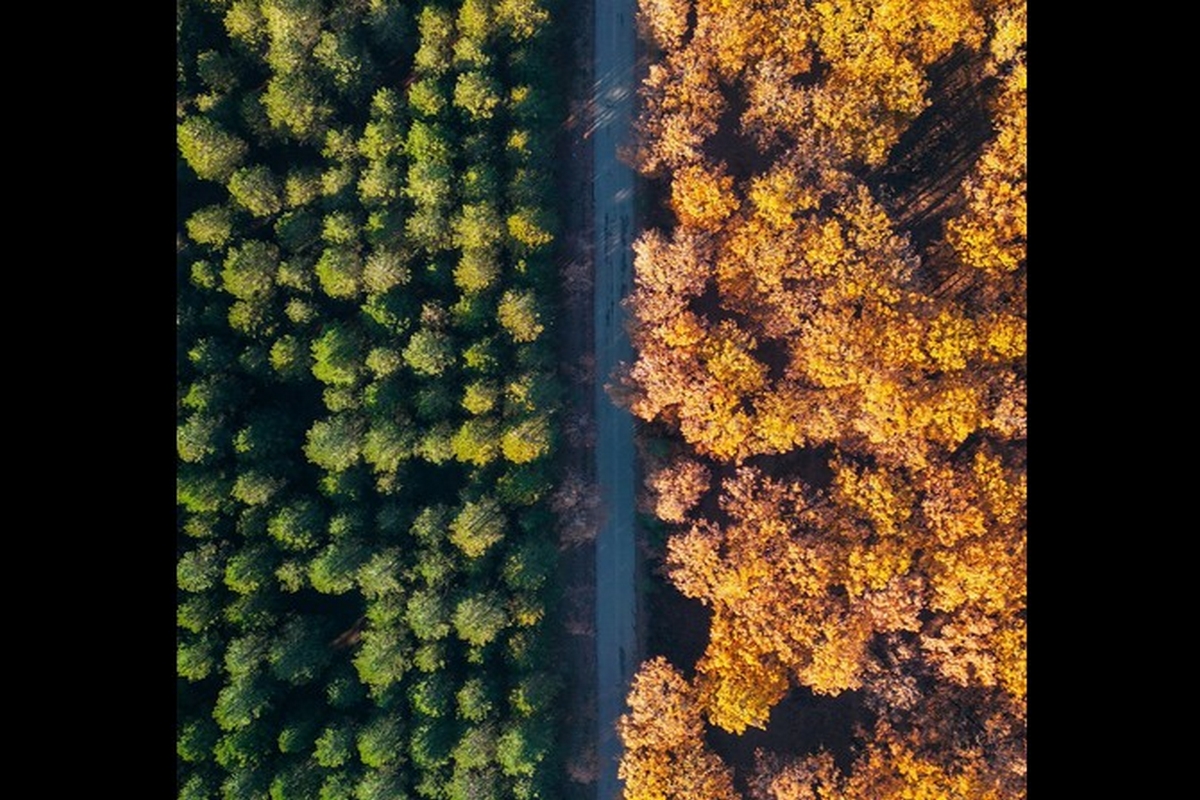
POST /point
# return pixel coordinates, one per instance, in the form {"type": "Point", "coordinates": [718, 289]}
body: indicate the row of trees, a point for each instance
{"type": "Point", "coordinates": [366, 399]}
{"type": "Point", "coordinates": [788, 312]}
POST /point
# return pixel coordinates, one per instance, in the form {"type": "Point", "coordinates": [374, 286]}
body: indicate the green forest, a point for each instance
{"type": "Point", "coordinates": [366, 399]}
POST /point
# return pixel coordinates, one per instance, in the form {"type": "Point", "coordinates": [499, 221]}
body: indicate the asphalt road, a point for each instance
{"type": "Point", "coordinates": [612, 188]}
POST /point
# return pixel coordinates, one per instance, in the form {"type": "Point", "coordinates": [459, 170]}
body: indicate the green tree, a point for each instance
{"type": "Point", "coordinates": [334, 569]}
{"type": "Point", "coordinates": [257, 190]}
{"type": "Point", "coordinates": [522, 19]}
{"type": "Point", "coordinates": [242, 701]}
{"type": "Point", "coordinates": [249, 271]}
{"type": "Point", "coordinates": [381, 740]}
{"type": "Point", "coordinates": [476, 700]}
{"type": "Point", "coordinates": [431, 743]}
{"type": "Point", "coordinates": [477, 748]}
{"type": "Point", "coordinates": [196, 656]}
{"type": "Point", "coordinates": [523, 746]}
{"type": "Point", "coordinates": [211, 225]}
{"type": "Point", "coordinates": [338, 355]}
{"type": "Point", "coordinates": [478, 268]}
{"type": "Point", "coordinates": [199, 569]}
{"type": "Point", "coordinates": [251, 568]}
{"type": "Point", "coordinates": [335, 444]}
{"type": "Point", "coordinates": [432, 695]}
{"type": "Point", "coordinates": [339, 271]}
{"type": "Point", "coordinates": [429, 352]}
{"type": "Point", "coordinates": [478, 227]}
{"type": "Point", "coordinates": [201, 439]}
{"type": "Point", "coordinates": [380, 576]}
{"type": "Point", "coordinates": [291, 358]}
{"type": "Point", "coordinates": [211, 152]}
{"type": "Point", "coordinates": [198, 611]}
{"type": "Point", "coordinates": [475, 442]}
{"type": "Point", "coordinates": [195, 739]}
{"type": "Point", "coordinates": [529, 230]}
{"type": "Point", "coordinates": [335, 746]}
{"type": "Point", "coordinates": [528, 440]}
{"type": "Point", "coordinates": [479, 618]}
{"type": "Point", "coordinates": [382, 660]}
{"type": "Point", "coordinates": [518, 314]}
{"type": "Point", "coordinates": [296, 107]}
{"type": "Point", "coordinates": [426, 97]}
{"type": "Point", "coordinates": [437, 30]}
{"type": "Point", "coordinates": [478, 526]}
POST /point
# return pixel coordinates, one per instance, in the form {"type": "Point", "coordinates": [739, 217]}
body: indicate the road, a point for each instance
{"type": "Point", "coordinates": [612, 187]}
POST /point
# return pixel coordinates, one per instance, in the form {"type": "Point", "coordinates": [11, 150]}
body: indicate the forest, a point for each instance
{"type": "Point", "coordinates": [366, 399]}
{"type": "Point", "coordinates": [829, 321]}
{"type": "Point", "coordinates": [830, 324]}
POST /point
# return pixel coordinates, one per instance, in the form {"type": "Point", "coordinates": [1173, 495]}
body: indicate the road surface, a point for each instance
{"type": "Point", "coordinates": [612, 187]}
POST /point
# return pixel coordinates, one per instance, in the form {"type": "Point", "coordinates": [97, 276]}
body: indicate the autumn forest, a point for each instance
{"type": "Point", "coordinates": [374, 389]}
{"type": "Point", "coordinates": [840, 271]}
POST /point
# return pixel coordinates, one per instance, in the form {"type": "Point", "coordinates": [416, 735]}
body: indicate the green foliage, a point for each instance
{"type": "Point", "coordinates": [381, 574]}
{"type": "Point", "coordinates": [478, 619]}
{"type": "Point", "coordinates": [534, 693]}
{"type": "Point", "coordinates": [529, 230]}
{"type": "Point", "coordinates": [476, 700]}
{"type": "Point", "coordinates": [478, 268]}
{"type": "Point", "coordinates": [250, 568]}
{"type": "Point", "coordinates": [257, 190]}
{"type": "Point", "coordinates": [385, 269]}
{"type": "Point", "coordinates": [431, 744]}
{"type": "Point", "coordinates": [339, 271]}
{"type": "Point", "coordinates": [431, 696]}
{"type": "Point", "coordinates": [291, 358]}
{"type": "Point", "coordinates": [296, 107]}
{"type": "Point", "coordinates": [478, 526]}
{"type": "Point", "coordinates": [211, 152]}
{"type": "Point", "coordinates": [388, 445]}
{"type": "Point", "coordinates": [197, 612]}
{"type": "Point", "coordinates": [426, 97]}
{"type": "Point", "coordinates": [522, 20]}
{"type": "Point", "coordinates": [337, 355]}
{"type": "Point", "coordinates": [381, 741]}
{"type": "Point", "coordinates": [335, 444]}
{"type": "Point", "coordinates": [242, 701]}
{"type": "Point", "coordinates": [211, 225]}
{"type": "Point", "coordinates": [335, 746]}
{"type": "Point", "coordinates": [522, 747]}
{"type": "Point", "coordinates": [478, 227]}
{"type": "Point", "coordinates": [477, 747]}
{"type": "Point", "coordinates": [528, 567]}
{"type": "Point", "coordinates": [196, 656]}
{"type": "Point", "coordinates": [200, 568]}
{"type": "Point", "coordinates": [437, 29]}
{"type": "Point", "coordinates": [476, 441]}
{"type": "Point", "coordinates": [479, 397]}
{"type": "Point", "coordinates": [382, 659]}
{"type": "Point", "coordinates": [320, 301]}
{"type": "Point", "coordinates": [334, 569]}
{"type": "Point", "coordinates": [518, 314]}
{"type": "Point", "coordinates": [529, 439]}
{"type": "Point", "coordinates": [249, 272]}
{"type": "Point", "coordinates": [302, 186]}
{"type": "Point", "coordinates": [195, 740]}
{"type": "Point", "coordinates": [429, 352]}
{"type": "Point", "coordinates": [298, 778]}
{"type": "Point", "coordinates": [384, 784]}
{"type": "Point", "coordinates": [201, 438]}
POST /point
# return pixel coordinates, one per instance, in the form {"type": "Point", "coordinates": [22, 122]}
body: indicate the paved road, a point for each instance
{"type": "Point", "coordinates": [612, 189]}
